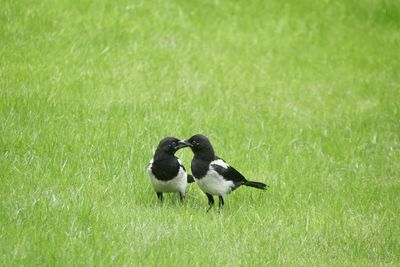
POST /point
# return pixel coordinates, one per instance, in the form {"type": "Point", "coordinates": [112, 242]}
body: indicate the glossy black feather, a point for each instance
{"type": "Point", "coordinates": [229, 173]}
{"type": "Point", "coordinates": [256, 185]}
{"type": "Point", "coordinates": [199, 167]}
{"type": "Point", "coordinates": [205, 164]}
{"type": "Point", "coordinates": [165, 169]}
{"type": "Point", "coordinates": [165, 164]}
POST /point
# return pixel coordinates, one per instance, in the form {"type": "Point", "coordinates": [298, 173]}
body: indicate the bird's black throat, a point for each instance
{"type": "Point", "coordinates": [201, 160]}
{"type": "Point", "coordinates": [165, 169]}
{"type": "Point", "coordinates": [200, 164]}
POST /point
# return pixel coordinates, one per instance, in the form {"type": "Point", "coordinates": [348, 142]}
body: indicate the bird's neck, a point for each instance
{"type": "Point", "coordinates": [205, 155]}
{"type": "Point", "coordinates": [161, 155]}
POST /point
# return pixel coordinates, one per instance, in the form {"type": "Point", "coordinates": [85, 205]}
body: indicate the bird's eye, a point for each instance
{"type": "Point", "coordinates": [173, 144]}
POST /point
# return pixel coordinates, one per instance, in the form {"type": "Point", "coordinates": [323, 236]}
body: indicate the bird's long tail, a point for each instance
{"type": "Point", "coordinates": [256, 185]}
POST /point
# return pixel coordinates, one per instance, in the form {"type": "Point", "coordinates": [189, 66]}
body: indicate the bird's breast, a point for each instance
{"type": "Point", "coordinates": [199, 168]}
{"type": "Point", "coordinates": [165, 170]}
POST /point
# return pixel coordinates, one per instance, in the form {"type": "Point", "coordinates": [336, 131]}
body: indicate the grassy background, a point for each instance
{"type": "Point", "coordinates": [302, 95]}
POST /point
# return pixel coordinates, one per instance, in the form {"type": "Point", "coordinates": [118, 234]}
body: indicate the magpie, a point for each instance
{"type": "Point", "coordinates": [213, 175]}
{"type": "Point", "coordinates": [166, 171]}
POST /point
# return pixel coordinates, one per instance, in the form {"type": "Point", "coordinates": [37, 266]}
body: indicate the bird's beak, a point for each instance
{"type": "Point", "coordinates": [182, 144]}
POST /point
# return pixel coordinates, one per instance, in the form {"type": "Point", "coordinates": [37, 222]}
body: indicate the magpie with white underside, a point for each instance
{"type": "Point", "coordinates": [213, 175]}
{"type": "Point", "coordinates": [166, 172]}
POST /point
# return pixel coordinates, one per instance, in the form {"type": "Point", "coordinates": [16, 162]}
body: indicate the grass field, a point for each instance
{"type": "Point", "coordinates": [301, 95]}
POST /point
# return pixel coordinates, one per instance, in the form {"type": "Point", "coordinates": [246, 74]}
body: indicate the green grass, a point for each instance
{"type": "Point", "coordinates": [302, 95]}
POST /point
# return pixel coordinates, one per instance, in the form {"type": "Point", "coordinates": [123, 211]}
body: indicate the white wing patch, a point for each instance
{"type": "Point", "coordinates": [220, 162]}
{"type": "Point", "coordinates": [213, 183]}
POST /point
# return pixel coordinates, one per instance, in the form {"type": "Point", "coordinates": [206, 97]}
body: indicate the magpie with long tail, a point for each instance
{"type": "Point", "coordinates": [166, 172]}
{"type": "Point", "coordinates": [213, 175]}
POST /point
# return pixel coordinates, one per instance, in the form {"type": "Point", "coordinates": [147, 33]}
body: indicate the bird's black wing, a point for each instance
{"type": "Point", "coordinates": [228, 172]}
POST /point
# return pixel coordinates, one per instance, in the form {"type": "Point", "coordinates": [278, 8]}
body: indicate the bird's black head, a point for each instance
{"type": "Point", "coordinates": [200, 146]}
{"type": "Point", "coordinates": [169, 145]}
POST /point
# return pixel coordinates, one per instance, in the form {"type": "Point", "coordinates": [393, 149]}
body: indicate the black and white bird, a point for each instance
{"type": "Point", "coordinates": [166, 171]}
{"type": "Point", "coordinates": [213, 175]}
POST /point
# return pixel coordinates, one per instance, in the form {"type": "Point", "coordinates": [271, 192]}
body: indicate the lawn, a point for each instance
{"type": "Point", "coordinates": [301, 95]}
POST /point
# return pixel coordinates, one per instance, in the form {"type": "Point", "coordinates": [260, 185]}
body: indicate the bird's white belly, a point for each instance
{"type": "Point", "coordinates": [177, 184]}
{"type": "Point", "coordinates": [214, 184]}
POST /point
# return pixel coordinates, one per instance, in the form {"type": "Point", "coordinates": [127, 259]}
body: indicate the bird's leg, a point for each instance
{"type": "Point", "coordinates": [210, 201]}
{"type": "Point", "coordinates": [221, 203]}
{"type": "Point", "coordinates": [160, 196]}
{"type": "Point", "coordinates": [182, 197]}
